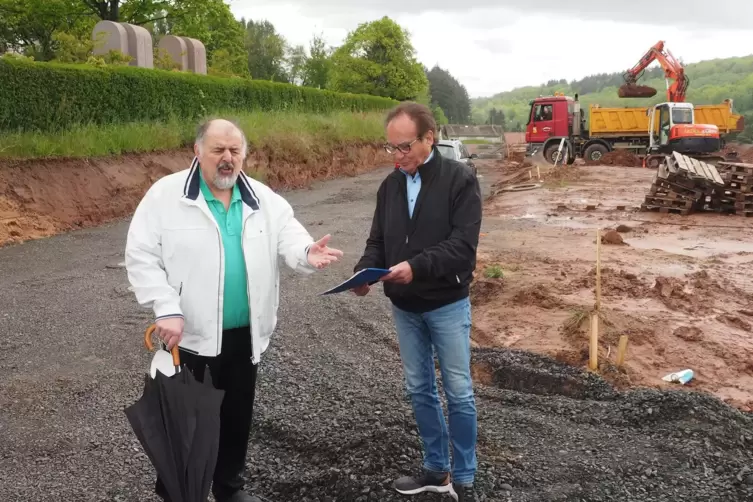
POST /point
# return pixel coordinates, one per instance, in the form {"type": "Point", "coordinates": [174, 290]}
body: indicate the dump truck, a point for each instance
{"type": "Point", "coordinates": [559, 129]}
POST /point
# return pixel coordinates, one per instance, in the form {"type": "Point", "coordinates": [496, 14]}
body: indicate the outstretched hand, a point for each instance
{"type": "Point", "coordinates": [320, 255]}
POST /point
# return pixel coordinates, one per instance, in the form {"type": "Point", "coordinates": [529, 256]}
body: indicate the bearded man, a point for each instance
{"type": "Point", "coordinates": [202, 252]}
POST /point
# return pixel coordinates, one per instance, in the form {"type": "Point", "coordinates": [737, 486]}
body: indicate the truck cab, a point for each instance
{"type": "Point", "coordinates": [550, 119]}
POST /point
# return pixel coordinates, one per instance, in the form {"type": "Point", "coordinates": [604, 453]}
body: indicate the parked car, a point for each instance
{"type": "Point", "coordinates": [456, 150]}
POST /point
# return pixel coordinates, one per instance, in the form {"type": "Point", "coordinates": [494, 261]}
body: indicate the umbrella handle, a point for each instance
{"type": "Point", "coordinates": [150, 346]}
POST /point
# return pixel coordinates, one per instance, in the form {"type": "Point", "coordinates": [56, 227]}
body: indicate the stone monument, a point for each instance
{"type": "Point", "coordinates": [176, 49]}
{"type": "Point", "coordinates": [134, 41]}
{"type": "Point", "coordinates": [189, 53]}
{"type": "Point", "coordinates": [107, 36]}
{"type": "Point", "coordinates": [139, 46]}
{"type": "Point", "coordinates": [197, 55]}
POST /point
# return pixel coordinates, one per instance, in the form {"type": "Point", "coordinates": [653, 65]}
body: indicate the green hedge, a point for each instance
{"type": "Point", "coordinates": [49, 96]}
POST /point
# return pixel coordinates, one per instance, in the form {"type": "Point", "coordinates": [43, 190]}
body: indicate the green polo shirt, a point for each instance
{"type": "Point", "coordinates": [235, 313]}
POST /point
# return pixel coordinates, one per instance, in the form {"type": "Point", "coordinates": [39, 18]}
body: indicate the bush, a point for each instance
{"type": "Point", "coordinates": [54, 96]}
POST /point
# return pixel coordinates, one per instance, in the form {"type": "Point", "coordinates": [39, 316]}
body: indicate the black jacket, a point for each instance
{"type": "Point", "coordinates": [439, 241]}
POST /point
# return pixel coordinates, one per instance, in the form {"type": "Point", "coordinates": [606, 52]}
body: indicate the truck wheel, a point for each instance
{"type": "Point", "coordinates": [552, 154]}
{"type": "Point", "coordinates": [594, 153]}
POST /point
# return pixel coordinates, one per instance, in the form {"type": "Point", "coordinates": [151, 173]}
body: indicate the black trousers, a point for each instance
{"type": "Point", "coordinates": [233, 372]}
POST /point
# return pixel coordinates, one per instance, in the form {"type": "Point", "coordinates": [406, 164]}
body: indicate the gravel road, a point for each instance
{"type": "Point", "coordinates": [331, 421]}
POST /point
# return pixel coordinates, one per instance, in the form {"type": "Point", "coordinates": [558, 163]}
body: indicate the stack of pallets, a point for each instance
{"type": "Point", "coordinates": [737, 195]}
{"type": "Point", "coordinates": [682, 185]}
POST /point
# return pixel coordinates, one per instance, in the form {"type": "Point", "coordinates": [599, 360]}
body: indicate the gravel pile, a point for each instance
{"type": "Point", "coordinates": [331, 422]}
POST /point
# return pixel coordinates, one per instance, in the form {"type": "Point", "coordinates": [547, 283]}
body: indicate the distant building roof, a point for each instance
{"type": "Point", "coordinates": [489, 131]}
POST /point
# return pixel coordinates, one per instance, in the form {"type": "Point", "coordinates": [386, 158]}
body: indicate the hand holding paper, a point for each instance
{"type": "Point", "coordinates": [358, 280]}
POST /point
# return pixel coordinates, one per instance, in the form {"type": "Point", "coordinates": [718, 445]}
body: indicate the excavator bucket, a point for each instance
{"type": "Point", "coordinates": [636, 91]}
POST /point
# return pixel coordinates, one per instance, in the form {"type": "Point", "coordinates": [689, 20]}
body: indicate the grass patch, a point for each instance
{"type": "Point", "coordinates": [295, 132]}
{"type": "Point", "coordinates": [494, 272]}
{"type": "Point", "coordinates": [476, 142]}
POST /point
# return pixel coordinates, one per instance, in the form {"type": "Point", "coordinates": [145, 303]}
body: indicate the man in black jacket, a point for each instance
{"type": "Point", "coordinates": [425, 230]}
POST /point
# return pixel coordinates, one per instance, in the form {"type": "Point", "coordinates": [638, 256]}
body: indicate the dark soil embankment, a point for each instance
{"type": "Point", "coordinates": [42, 197]}
{"type": "Point", "coordinates": [617, 158]}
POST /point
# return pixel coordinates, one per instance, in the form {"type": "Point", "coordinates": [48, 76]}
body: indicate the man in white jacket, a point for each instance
{"type": "Point", "coordinates": [202, 252]}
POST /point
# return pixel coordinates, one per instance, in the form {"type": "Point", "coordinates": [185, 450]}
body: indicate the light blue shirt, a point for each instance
{"type": "Point", "coordinates": [414, 186]}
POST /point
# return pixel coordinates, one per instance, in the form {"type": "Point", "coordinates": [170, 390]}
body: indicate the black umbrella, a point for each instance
{"type": "Point", "coordinates": [177, 422]}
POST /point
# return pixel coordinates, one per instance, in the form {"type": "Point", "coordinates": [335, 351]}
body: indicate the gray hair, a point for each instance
{"type": "Point", "coordinates": [204, 127]}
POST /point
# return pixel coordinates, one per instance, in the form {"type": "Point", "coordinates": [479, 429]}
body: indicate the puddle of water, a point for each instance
{"type": "Point", "coordinates": [557, 221]}
{"type": "Point", "coordinates": [687, 247]}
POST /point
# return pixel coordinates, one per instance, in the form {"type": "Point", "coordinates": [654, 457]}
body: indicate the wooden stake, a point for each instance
{"type": "Point", "coordinates": [538, 173]}
{"type": "Point", "coordinates": [621, 350]}
{"type": "Point", "coordinates": [593, 348]}
{"type": "Point", "coordinates": [529, 174]}
{"type": "Point", "coordinates": [598, 270]}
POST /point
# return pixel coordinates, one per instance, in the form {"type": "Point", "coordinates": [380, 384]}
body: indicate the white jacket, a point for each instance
{"type": "Point", "coordinates": [174, 257]}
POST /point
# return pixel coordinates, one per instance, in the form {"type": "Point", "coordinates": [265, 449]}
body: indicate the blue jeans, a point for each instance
{"type": "Point", "coordinates": [448, 330]}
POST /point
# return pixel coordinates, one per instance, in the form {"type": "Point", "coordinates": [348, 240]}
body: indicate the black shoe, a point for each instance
{"type": "Point", "coordinates": [241, 496]}
{"type": "Point", "coordinates": [433, 482]}
{"type": "Point", "coordinates": [464, 493]}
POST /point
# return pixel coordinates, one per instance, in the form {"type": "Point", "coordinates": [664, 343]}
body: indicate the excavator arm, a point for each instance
{"type": "Point", "coordinates": [672, 70]}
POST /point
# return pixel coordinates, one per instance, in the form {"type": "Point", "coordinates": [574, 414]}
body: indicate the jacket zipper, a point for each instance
{"type": "Point", "coordinates": [248, 290]}
{"type": "Point", "coordinates": [219, 289]}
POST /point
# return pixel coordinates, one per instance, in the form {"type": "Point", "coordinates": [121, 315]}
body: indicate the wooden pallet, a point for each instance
{"type": "Point", "coordinates": [669, 202]}
{"type": "Point", "coordinates": [665, 210]}
{"type": "Point", "coordinates": [736, 168]}
{"type": "Point", "coordinates": [733, 186]}
{"type": "Point", "coordinates": [744, 179]}
{"type": "Point", "coordinates": [693, 168]}
{"type": "Point", "coordinates": [664, 188]}
{"type": "Point", "coordinates": [743, 207]}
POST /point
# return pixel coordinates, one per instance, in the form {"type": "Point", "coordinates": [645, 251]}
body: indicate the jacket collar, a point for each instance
{"type": "Point", "coordinates": [192, 186]}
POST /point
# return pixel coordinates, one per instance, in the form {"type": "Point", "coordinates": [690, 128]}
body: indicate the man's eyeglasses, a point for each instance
{"type": "Point", "coordinates": [402, 147]}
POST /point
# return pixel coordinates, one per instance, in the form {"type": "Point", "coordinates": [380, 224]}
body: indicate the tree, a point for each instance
{"type": "Point", "coordinates": [496, 117]}
{"type": "Point", "coordinates": [295, 63]}
{"type": "Point", "coordinates": [29, 26]}
{"type": "Point", "coordinates": [450, 95]}
{"type": "Point", "coordinates": [266, 51]}
{"type": "Point", "coordinates": [378, 59]}
{"type": "Point", "coordinates": [212, 22]}
{"type": "Point", "coordinates": [439, 116]}
{"type": "Point", "coordinates": [131, 11]}
{"type": "Point", "coordinates": [318, 65]}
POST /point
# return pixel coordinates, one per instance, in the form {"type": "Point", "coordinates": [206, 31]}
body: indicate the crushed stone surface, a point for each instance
{"type": "Point", "coordinates": [331, 420]}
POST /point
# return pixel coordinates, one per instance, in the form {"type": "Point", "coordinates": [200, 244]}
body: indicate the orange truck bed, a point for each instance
{"type": "Point", "coordinates": [634, 121]}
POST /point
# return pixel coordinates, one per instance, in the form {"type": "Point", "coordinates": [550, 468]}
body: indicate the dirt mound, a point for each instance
{"type": "Point", "coordinates": [485, 290]}
{"type": "Point", "coordinates": [617, 158]}
{"type": "Point", "coordinates": [689, 333]}
{"type": "Point", "coordinates": [676, 295]}
{"type": "Point", "coordinates": [613, 283]}
{"type": "Point", "coordinates": [538, 296]}
{"type": "Point", "coordinates": [562, 174]}
{"type": "Point", "coordinates": [698, 294]}
{"type": "Point", "coordinates": [39, 198]}
{"type": "Point", "coordinates": [612, 237]}
{"type": "Point", "coordinates": [535, 374]}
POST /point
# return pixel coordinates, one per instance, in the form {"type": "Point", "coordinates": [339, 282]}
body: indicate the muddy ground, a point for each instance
{"type": "Point", "coordinates": [678, 286]}
{"type": "Point", "coordinates": [331, 421]}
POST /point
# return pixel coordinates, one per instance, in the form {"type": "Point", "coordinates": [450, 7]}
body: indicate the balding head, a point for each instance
{"type": "Point", "coordinates": [219, 126]}
{"type": "Point", "coordinates": [221, 148]}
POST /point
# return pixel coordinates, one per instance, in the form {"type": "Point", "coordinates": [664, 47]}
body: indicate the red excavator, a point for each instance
{"type": "Point", "coordinates": [672, 125]}
{"type": "Point", "coordinates": [672, 70]}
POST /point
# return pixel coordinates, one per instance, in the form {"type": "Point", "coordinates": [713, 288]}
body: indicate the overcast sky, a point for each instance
{"type": "Point", "coordinates": [492, 46]}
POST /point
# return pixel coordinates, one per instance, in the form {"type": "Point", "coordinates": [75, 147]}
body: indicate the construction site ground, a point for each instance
{"type": "Point", "coordinates": [678, 286]}
{"type": "Point", "coordinates": [331, 419]}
